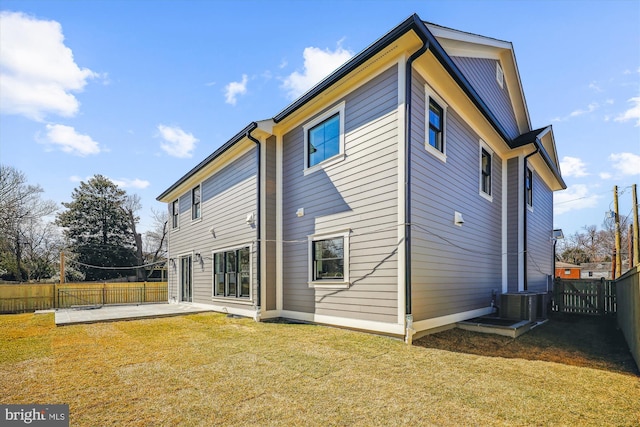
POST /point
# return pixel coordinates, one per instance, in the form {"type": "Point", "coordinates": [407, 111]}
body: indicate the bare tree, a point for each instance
{"type": "Point", "coordinates": [131, 206]}
{"type": "Point", "coordinates": [21, 207]}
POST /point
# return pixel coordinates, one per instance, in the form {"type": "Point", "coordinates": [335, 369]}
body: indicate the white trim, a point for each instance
{"type": "Point", "coordinates": [430, 93]}
{"type": "Point", "coordinates": [449, 319]}
{"type": "Point", "coordinates": [263, 232]}
{"type": "Point", "coordinates": [177, 228]}
{"type": "Point", "coordinates": [365, 325]}
{"type": "Point", "coordinates": [336, 109]}
{"type": "Point", "coordinates": [401, 117]}
{"type": "Point", "coordinates": [329, 284]}
{"type": "Point", "coordinates": [483, 145]}
{"type": "Point", "coordinates": [213, 272]}
{"type": "Point", "coordinates": [505, 216]}
{"type": "Point", "coordinates": [279, 233]}
{"type": "Point", "coordinates": [196, 220]}
{"type": "Point", "coordinates": [179, 274]}
{"type": "Point", "coordinates": [499, 75]}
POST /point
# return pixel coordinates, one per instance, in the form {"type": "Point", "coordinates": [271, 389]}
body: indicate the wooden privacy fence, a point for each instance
{"type": "Point", "coordinates": [30, 297]}
{"type": "Point", "coordinates": [584, 296]}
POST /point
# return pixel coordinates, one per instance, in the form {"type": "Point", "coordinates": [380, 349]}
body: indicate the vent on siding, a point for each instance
{"type": "Point", "coordinates": [499, 75]}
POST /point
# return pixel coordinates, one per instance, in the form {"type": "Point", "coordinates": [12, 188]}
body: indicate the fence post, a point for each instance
{"type": "Point", "coordinates": [104, 293]}
{"type": "Point", "coordinates": [560, 295]}
{"type": "Point", "coordinates": [600, 288]}
{"type": "Point", "coordinates": [144, 292]}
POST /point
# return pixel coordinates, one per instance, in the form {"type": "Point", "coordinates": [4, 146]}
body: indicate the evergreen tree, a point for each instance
{"type": "Point", "coordinates": [98, 229]}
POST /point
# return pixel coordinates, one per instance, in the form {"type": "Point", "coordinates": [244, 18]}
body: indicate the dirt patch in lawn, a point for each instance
{"type": "Point", "coordinates": [577, 340]}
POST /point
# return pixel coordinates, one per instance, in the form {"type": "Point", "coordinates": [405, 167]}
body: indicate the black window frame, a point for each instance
{"type": "Point", "coordinates": [175, 214]}
{"type": "Point", "coordinates": [485, 173]}
{"type": "Point", "coordinates": [438, 128]}
{"type": "Point", "coordinates": [529, 187]}
{"type": "Point", "coordinates": [329, 260]}
{"type": "Point", "coordinates": [232, 273]}
{"type": "Point", "coordinates": [196, 204]}
{"type": "Point", "coordinates": [311, 149]}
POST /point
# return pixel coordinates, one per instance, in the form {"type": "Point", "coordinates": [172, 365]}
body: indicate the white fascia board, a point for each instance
{"type": "Point", "coordinates": [443, 33]}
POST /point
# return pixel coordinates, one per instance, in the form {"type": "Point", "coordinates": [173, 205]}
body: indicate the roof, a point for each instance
{"type": "Point", "coordinates": [566, 265]}
{"type": "Point", "coordinates": [419, 27]}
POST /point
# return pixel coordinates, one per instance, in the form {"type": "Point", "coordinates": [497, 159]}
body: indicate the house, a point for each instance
{"type": "Point", "coordinates": [600, 270]}
{"type": "Point", "coordinates": [401, 194]}
{"type": "Point", "coordinates": [564, 270]}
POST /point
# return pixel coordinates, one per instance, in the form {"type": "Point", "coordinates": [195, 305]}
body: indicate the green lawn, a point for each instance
{"type": "Point", "coordinates": [207, 369]}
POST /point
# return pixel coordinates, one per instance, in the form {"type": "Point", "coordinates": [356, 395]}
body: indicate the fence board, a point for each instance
{"type": "Point", "coordinates": [30, 297]}
{"type": "Point", "coordinates": [595, 297]}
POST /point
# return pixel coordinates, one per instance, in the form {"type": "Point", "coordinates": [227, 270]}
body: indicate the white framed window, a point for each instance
{"type": "Point", "coordinates": [324, 139]}
{"type": "Point", "coordinates": [435, 124]}
{"type": "Point", "coordinates": [499, 75]}
{"type": "Point", "coordinates": [196, 198]}
{"type": "Point", "coordinates": [232, 273]}
{"type": "Point", "coordinates": [329, 260]}
{"type": "Point", "coordinates": [485, 170]}
{"type": "Point", "coordinates": [175, 214]}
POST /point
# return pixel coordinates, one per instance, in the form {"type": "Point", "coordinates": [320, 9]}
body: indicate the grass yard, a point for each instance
{"type": "Point", "coordinates": [207, 369]}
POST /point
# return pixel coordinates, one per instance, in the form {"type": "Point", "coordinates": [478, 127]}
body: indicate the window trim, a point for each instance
{"type": "Point", "coordinates": [199, 217]}
{"type": "Point", "coordinates": [482, 148]}
{"type": "Point", "coordinates": [499, 75]}
{"type": "Point", "coordinates": [430, 95]}
{"type": "Point", "coordinates": [236, 299]}
{"type": "Point", "coordinates": [329, 284]}
{"type": "Point", "coordinates": [175, 216]}
{"type": "Point", "coordinates": [337, 109]}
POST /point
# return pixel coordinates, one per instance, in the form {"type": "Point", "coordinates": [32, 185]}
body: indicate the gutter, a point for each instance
{"type": "Point", "coordinates": [525, 209]}
{"type": "Point", "coordinates": [253, 127]}
{"type": "Point", "coordinates": [407, 190]}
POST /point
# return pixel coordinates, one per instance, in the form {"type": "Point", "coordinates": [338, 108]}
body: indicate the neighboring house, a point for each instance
{"type": "Point", "coordinates": [564, 270]}
{"type": "Point", "coordinates": [399, 195]}
{"type": "Point", "coordinates": [600, 270]}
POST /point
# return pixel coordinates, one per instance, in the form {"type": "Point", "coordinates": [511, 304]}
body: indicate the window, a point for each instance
{"type": "Point", "coordinates": [435, 124]}
{"type": "Point", "coordinates": [436, 119]}
{"type": "Point", "coordinates": [591, 274]}
{"type": "Point", "coordinates": [195, 203]}
{"type": "Point", "coordinates": [567, 272]}
{"type": "Point", "coordinates": [324, 138]}
{"type": "Point", "coordinates": [499, 75]}
{"type": "Point", "coordinates": [529, 188]}
{"type": "Point", "coordinates": [485, 172]}
{"type": "Point", "coordinates": [175, 214]}
{"type": "Point", "coordinates": [329, 260]}
{"type": "Point", "coordinates": [232, 273]}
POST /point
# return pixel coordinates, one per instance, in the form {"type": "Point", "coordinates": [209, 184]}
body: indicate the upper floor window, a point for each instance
{"type": "Point", "coordinates": [529, 188]}
{"type": "Point", "coordinates": [435, 124]}
{"type": "Point", "coordinates": [175, 213]}
{"type": "Point", "coordinates": [324, 137]}
{"type": "Point", "coordinates": [485, 171]}
{"type": "Point", "coordinates": [195, 203]}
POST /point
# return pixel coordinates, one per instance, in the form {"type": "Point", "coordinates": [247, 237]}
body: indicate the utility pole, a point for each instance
{"type": "Point", "coordinates": [618, 251]}
{"type": "Point", "coordinates": [636, 229]}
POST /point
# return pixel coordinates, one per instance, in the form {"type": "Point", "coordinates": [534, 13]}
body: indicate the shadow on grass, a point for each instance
{"type": "Point", "coordinates": [577, 340]}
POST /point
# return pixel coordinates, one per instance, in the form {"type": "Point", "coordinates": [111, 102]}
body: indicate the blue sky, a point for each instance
{"type": "Point", "coordinates": [142, 91]}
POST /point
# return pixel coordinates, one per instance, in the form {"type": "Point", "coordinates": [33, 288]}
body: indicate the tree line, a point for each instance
{"type": "Point", "coordinates": [97, 230]}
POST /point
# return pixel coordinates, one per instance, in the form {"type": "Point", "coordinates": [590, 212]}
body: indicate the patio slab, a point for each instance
{"type": "Point", "coordinates": [110, 313]}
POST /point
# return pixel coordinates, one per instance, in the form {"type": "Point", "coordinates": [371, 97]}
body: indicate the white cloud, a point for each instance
{"type": "Point", "coordinates": [177, 143]}
{"type": "Point", "coordinates": [632, 113]}
{"type": "Point", "coordinates": [68, 140]}
{"type": "Point", "coordinates": [37, 71]}
{"type": "Point", "coordinates": [595, 87]}
{"type": "Point", "coordinates": [233, 89]}
{"type": "Point", "coordinates": [579, 112]}
{"type": "Point", "coordinates": [573, 166]}
{"type": "Point", "coordinates": [574, 198]}
{"type": "Point", "coordinates": [605, 175]}
{"type": "Point", "coordinates": [318, 64]}
{"type": "Point", "coordinates": [626, 163]}
{"type": "Point", "coordinates": [131, 183]}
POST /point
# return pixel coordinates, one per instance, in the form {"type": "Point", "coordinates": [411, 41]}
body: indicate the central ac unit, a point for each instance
{"type": "Point", "coordinates": [519, 306]}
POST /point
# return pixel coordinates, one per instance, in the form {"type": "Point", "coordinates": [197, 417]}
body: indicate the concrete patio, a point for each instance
{"type": "Point", "coordinates": [110, 313]}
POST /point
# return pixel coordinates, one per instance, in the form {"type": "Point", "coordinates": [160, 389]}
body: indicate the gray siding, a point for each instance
{"type": "Point", "coordinates": [539, 245]}
{"type": "Point", "coordinates": [269, 247]}
{"type": "Point", "coordinates": [481, 73]}
{"type": "Point", "coordinates": [359, 193]}
{"type": "Point", "coordinates": [227, 197]}
{"type": "Point", "coordinates": [454, 269]}
{"type": "Point", "coordinates": [513, 210]}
